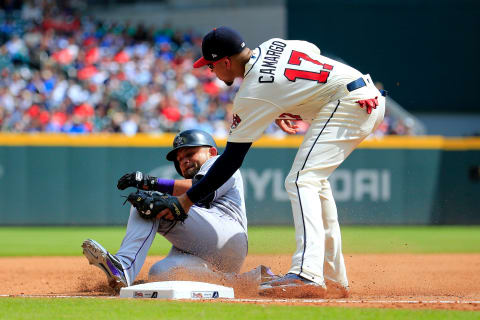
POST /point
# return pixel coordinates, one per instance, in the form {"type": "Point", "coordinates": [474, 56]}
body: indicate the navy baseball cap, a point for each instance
{"type": "Point", "coordinates": [219, 43]}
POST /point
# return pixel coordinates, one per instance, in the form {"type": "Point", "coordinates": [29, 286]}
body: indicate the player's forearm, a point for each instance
{"type": "Point", "coordinates": [173, 187]}
{"type": "Point", "coordinates": [223, 168]}
{"type": "Point", "coordinates": [181, 186]}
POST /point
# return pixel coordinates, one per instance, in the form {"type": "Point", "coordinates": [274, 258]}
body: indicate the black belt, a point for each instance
{"type": "Point", "coordinates": [360, 83]}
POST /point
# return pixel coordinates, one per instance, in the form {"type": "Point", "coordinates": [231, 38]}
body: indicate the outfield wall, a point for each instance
{"type": "Point", "coordinates": [70, 180]}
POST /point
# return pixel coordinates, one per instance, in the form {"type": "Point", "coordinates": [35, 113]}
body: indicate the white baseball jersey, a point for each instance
{"type": "Point", "coordinates": [292, 80]}
{"type": "Point", "coordinates": [289, 79]}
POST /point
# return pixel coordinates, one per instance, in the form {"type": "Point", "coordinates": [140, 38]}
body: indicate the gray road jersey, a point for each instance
{"type": "Point", "coordinates": [229, 198]}
{"type": "Point", "coordinates": [217, 234]}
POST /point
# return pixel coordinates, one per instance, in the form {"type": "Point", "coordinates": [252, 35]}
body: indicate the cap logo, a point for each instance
{"type": "Point", "coordinates": [179, 140]}
{"type": "Point", "coordinates": [242, 45]}
{"type": "Point", "coordinates": [214, 55]}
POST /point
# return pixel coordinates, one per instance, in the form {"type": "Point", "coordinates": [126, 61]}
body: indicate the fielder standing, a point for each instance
{"type": "Point", "coordinates": [284, 81]}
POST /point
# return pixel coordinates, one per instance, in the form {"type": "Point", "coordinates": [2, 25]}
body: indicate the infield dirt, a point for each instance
{"type": "Point", "coordinates": [375, 279]}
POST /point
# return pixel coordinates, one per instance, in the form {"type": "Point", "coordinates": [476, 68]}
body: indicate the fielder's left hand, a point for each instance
{"type": "Point", "coordinates": [287, 126]}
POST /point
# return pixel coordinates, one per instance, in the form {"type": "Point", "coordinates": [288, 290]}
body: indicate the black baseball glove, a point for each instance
{"type": "Point", "coordinates": [150, 203]}
{"type": "Point", "coordinates": [138, 180]}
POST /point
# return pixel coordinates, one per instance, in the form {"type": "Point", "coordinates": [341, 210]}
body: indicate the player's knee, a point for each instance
{"type": "Point", "coordinates": [159, 271]}
{"type": "Point", "coordinates": [167, 270]}
{"type": "Point", "coordinates": [178, 268]}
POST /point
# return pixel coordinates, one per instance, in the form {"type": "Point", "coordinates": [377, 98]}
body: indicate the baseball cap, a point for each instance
{"type": "Point", "coordinates": [219, 43]}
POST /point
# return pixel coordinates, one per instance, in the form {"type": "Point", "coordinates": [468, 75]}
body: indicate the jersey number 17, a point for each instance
{"type": "Point", "coordinates": [294, 74]}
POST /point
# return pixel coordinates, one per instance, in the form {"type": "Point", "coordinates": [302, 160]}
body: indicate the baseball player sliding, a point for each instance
{"type": "Point", "coordinates": [212, 243]}
{"type": "Point", "coordinates": [284, 81]}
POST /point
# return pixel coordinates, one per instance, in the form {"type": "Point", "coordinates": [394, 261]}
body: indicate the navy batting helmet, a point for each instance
{"type": "Point", "coordinates": [189, 138]}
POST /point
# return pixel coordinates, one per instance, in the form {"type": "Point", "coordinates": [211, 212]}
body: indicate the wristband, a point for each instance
{"type": "Point", "coordinates": [164, 185]}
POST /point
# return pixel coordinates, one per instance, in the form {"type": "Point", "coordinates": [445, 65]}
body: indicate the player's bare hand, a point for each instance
{"type": "Point", "coordinates": [287, 126]}
{"type": "Point", "coordinates": [165, 214]}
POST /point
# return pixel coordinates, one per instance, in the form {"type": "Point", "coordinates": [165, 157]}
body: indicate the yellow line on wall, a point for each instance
{"type": "Point", "coordinates": [165, 140]}
{"type": "Point", "coordinates": [389, 142]}
{"type": "Point", "coordinates": [462, 144]}
{"type": "Point", "coordinates": [90, 140]}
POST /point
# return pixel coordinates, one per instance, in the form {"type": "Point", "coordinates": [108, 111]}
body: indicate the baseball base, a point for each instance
{"type": "Point", "coordinates": [177, 290]}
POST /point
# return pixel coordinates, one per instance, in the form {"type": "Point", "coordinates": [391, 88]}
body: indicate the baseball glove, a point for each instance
{"type": "Point", "coordinates": [136, 179]}
{"type": "Point", "coordinates": [150, 203]}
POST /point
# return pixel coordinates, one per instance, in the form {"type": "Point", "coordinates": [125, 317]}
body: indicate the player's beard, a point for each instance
{"type": "Point", "coordinates": [228, 83]}
{"type": "Point", "coordinates": [191, 172]}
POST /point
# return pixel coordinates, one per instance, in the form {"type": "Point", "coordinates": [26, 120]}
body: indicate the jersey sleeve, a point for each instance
{"type": "Point", "coordinates": [220, 191]}
{"type": "Point", "coordinates": [251, 116]}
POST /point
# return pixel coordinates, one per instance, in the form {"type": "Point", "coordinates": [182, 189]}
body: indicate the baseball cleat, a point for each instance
{"type": "Point", "coordinates": [107, 262]}
{"type": "Point", "coordinates": [335, 290]}
{"type": "Point", "coordinates": [292, 286]}
{"type": "Point", "coordinates": [258, 275]}
{"type": "Point", "coordinates": [266, 274]}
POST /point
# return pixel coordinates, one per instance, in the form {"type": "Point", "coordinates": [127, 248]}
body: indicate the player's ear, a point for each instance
{"type": "Point", "coordinates": [213, 151]}
{"type": "Point", "coordinates": [228, 63]}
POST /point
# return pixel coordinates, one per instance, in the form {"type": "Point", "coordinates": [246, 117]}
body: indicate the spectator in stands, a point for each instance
{"type": "Point", "coordinates": [63, 72]}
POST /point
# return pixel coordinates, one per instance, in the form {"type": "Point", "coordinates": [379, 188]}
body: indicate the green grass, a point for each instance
{"type": "Point", "coordinates": [418, 239]}
{"type": "Point", "coordinates": [66, 241]}
{"type": "Point", "coordinates": [378, 239]}
{"type": "Point", "coordinates": [74, 308]}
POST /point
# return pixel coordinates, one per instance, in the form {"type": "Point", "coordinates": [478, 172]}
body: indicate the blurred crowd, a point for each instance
{"type": "Point", "coordinates": [61, 71]}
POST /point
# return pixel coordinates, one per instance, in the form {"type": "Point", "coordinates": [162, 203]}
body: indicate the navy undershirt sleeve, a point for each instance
{"type": "Point", "coordinates": [223, 168]}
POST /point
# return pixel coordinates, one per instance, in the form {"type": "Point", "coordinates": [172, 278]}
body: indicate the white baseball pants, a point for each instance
{"type": "Point", "coordinates": [337, 130]}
